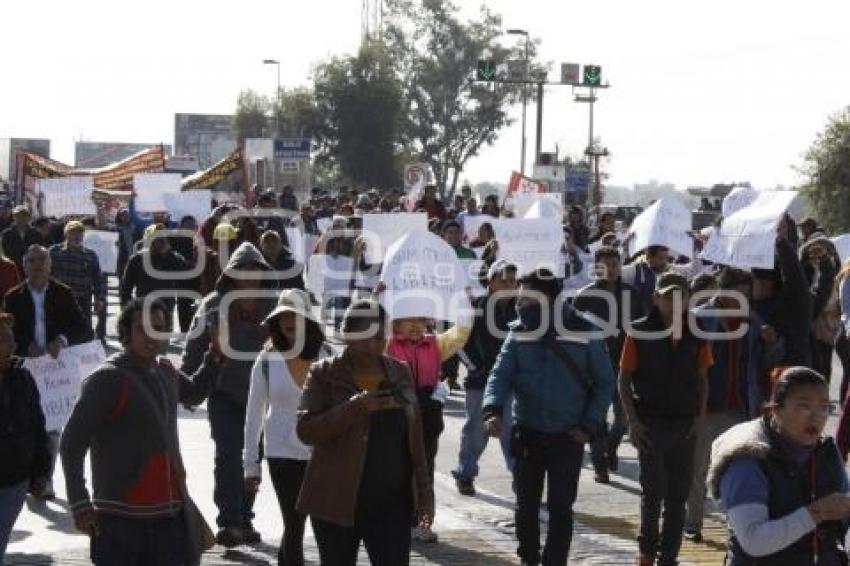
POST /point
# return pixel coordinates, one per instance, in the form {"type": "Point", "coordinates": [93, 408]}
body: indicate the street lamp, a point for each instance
{"type": "Point", "coordinates": [277, 96]}
{"type": "Point", "coordinates": [524, 93]}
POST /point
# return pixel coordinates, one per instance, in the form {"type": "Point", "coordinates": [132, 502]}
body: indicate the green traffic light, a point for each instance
{"type": "Point", "coordinates": [486, 70]}
{"type": "Point", "coordinates": [592, 75]}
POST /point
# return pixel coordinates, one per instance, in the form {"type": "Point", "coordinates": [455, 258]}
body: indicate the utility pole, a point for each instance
{"type": "Point", "coordinates": [277, 111]}
{"type": "Point", "coordinates": [592, 80]}
{"type": "Point", "coordinates": [524, 95]}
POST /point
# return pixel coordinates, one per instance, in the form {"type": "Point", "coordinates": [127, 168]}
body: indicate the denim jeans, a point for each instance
{"type": "Point", "coordinates": [139, 542]}
{"type": "Point", "coordinates": [11, 502]}
{"type": "Point", "coordinates": [227, 423]}
{"type": "Point", "coordinates": [557, 459]}
{"type": "Point", "coordinates": [473, 437]}
{"type": "Point", "coordinates": [666, 472]}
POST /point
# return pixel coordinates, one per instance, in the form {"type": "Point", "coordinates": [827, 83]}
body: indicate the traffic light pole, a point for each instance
{"type": "Point", "coordinates": [539, 145]}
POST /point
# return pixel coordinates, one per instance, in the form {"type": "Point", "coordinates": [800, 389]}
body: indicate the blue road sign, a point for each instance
{"type": "Point", "coordinates": [578, 180]}
{"type": "Point", "coordinates": [294, 148]}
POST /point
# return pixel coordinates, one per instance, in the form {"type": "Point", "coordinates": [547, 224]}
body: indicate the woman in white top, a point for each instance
{"type": "Point", "coordinates": [296, 340]}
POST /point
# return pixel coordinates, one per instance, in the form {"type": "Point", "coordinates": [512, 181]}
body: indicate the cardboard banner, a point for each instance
{"type": "Point", "coordinates": [116, 179]}
{"type": "Point", "coordinates": [381, 231]}
{"type": "Point", "coordinates": [150, 191]}
{"type": "Point", "coordinates": [531, 243]}
{"type": "Point", "coordinates": [522, 185]}
{"type": "Point", "coordinates": [329, 276]}
{"type": "Point", "coordinates": [209, 178]}
{"type": "Point", "coordinates": [63, 196]}
{"type": "Point", "coordinates": [423, 278]}
{"type": "Point", "coordinates": [59, 379]}
{"type": "Point", "coordinates": [105, 245]}
{"type": "Point", "coordinates": [666, 223]}
{"type": "Point", "coordinates": [747, 238]}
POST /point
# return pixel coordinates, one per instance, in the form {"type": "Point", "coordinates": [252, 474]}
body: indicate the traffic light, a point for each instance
{"type": "Point", "coordinates": [486, 70]}
{"type": "Point", "coordinates": [592, 75]}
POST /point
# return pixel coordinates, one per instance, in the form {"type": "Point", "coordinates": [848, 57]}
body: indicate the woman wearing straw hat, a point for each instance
{"type": "Point", "coordinates": [295, 341]}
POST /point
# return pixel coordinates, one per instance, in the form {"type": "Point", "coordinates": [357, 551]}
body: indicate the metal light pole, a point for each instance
{"type": "Point", "coordinates": [524, 93]}
{"type": "Point", "coordinates": [277, 96]}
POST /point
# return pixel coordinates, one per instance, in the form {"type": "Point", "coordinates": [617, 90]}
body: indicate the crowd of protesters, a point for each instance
{"type": "Point", "coordinates": [719, 376]}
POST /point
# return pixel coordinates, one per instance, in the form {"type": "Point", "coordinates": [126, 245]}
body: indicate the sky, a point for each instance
{"type": "Point", "coordinates": [701, 93]}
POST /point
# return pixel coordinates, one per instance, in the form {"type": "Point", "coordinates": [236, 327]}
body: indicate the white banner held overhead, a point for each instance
{"type": "Point", "coordinates": [738, 198]}
{"type": "Point", "coordinates": [63, 196]}
{"type": "Point", "coordinates": [747, 239]}
{"type": "Point", "coordinates": [150, 189]}
{"type": "Point", "coordinates": [423, 278]}
{"type": "Point", "coordinates": [530, 243]}
{"type": "Point", "coordinates": [552, 203]}
{"type": "Point", "coordinates": [105, 245]}
{"type": "Point", "coordinates": [665, 223]}
{"type": "Point", "coordinates": [58, 379]}
{"type": "Point", "coordinates": [383, 230]}
{"type": "Point", "coordinates": [196, 203]}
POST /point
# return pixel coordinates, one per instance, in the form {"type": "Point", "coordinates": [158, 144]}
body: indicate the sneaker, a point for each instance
{"type": "Point", "coordinates": [693, 535]}
{"type": "Point", "coordinates": [424, 534]}
{"type": "Point", "coordinates": [250, 535]}
{"type": "Point", "coordinates": [229, 537]}
{"type": "Point", "coordinates": [465, 485]}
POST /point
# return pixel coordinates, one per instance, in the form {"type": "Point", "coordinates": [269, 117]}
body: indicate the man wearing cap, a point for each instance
{"type": "Point", "coordinates": [663, 389]}
{"type": "Point", "coordinates": [17, 239]}
{"type": "Point", "coordinates": [79, 268]}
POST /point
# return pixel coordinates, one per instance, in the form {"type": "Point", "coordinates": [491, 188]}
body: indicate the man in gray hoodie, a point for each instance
{"type": "Point", "coordinates": [242, 298]}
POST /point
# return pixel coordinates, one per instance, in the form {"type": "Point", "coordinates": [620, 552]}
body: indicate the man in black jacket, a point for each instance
{"type": "Point", "coordinates": [18, 238]}
{"type": "Point", "coordinates": [493, 313]}
{"type": "Point", "coordinates": [593, 300]}
{"type": "Point", "coordinates": [24, 455]}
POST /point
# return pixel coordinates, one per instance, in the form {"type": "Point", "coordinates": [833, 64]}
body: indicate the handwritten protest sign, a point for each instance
{"type": "Point", "coordinates": [105, 245]}
{"type": "Point", "coordinates": [747, 238]}
{"type": "Point", "coordinates": [842, 245]}
{"type": "Point", "coordinates": [328, 275]}
{"type": "Point", "coordinates": [665, 223]}
{"type": "Point", "coordinates": [738, 198]}
{"type": "Point", "coordinates": [59, 379]}
{"type": "Point", "coordinates": [423, 278]}
{"type": "Point", "coordinates": [66, 195]}
{"type": "Point", "coordinates": [472, 269]}
{"type": "Point", "coordinates": [383, 230]}
{"type": "Point", "coordinates": [195, 203]}
{"type": "Point", "coordinates": [150, 190]}
{"type": "Point", "coordinates": [530, 243]}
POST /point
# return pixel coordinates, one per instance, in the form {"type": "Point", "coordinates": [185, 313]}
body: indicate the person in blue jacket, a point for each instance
{"type": "Point", "coordinates": [562, 382]}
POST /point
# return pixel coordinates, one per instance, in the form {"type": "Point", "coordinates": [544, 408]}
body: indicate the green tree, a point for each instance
{"type": "Point", "coordinates": [448, 117]}
{"type": "Point", "coordinates": [826, 167]}
{"type": "Point", "coordinates": [358, 100]}
{"type": "Point", "coordinates": [251, 117]}
{"type": "Point", "coordinates": [296, 113]}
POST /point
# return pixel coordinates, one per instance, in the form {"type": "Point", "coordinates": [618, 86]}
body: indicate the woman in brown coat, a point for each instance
{"type": "Point", "coordinates": [367, 477]}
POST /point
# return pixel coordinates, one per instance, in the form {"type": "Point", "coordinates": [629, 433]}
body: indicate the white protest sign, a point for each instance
{"type": "Point", "coordinates": [328, 275]}
{"type": "Point", "coordinates": [150, 190]}
{"type": "Point", "coordinates": [296, 243]}
{"type": "Point", "coordinates": [747, 239]}
{"type": "Point", "coordinates": [544, 208]}
{"type": "Point", "coordinates": [196, 203]}
{"type": "Point", "coordinates": [472, 269]}
{"type": "Point", "coordinates": [105, 245]}
{"type": "Point", "coordinates": [58, 379]}
{"type": "Point", "coordinates": [423, 278]}
{"type": "Point", "coordinates": [552, 202]}
{"type": "Point", "coordinates": [665, 223]}
{"type": "Point", "coordinates": [324, 224]}
{"type": "Point", "coordinates": [383, 230]}
{"type": "Point", "coordinates": [63, 196]}
{"type": "Point", "coordinates": [842, 245]}
{"type": "Point", "coordinates": [530, 243]}
{"type": "Point", "coordinates": [738, 198]}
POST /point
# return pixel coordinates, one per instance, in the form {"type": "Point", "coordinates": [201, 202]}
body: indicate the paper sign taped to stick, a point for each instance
{"type": "Point", "coordinates": [63, 196]}
{"type": "Point", "coordinates": [150, 190]}
{"type": "Point", "coordinates": [665, 223]}
{"type": "Point", "coordinates": [747, 238]}
{"type": "Point", "coordinates": [531, 243]}
{"type": "Point", "coordinates": [59, 379]}
{"type": "Point", "coordinates": [105, 245]}
{"type": "Point", "coordinates": [383, 230]}
{"type": "Point", "coordinates": [328, 275]}
{"type": "Point", "coordinates": [423, 278]}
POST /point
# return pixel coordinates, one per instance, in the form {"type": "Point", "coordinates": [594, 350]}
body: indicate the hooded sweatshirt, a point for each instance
{"type": "Point", "coordinates": [246, 335]}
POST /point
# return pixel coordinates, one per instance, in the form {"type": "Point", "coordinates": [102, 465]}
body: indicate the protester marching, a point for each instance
{"type": "Point", "coordinates": [333, 337]}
